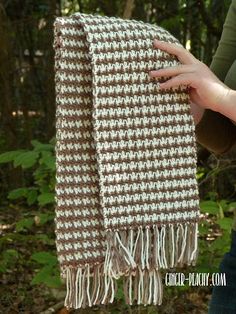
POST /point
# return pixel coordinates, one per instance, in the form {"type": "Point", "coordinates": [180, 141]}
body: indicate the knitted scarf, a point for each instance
{"type": "Point", "coordinates": [127, 202]}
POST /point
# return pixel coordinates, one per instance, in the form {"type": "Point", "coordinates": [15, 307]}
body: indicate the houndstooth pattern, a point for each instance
{"type": "Point", "coordinates": [125, 150]}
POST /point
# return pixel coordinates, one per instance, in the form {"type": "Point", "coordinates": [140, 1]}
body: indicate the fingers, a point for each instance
{"type": "Point", "coordinates": [180, 52]}
{"type": "Point", "coordinates": [182, 79]}
{"type": "Point", "coordinates": [170, 71]}
{"type": "Point", "coordinates": [182, 74]}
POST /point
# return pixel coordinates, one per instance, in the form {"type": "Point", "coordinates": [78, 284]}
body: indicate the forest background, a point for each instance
{"type": "Point", "coordinates": [29, 270]}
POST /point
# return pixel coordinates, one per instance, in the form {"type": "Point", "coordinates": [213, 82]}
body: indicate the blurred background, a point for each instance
{"type": "Point", "coordinates": [28, 266]}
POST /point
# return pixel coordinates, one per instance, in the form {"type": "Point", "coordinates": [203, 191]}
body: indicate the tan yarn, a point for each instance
{"type": "Point", "coordinates": [127, 202]}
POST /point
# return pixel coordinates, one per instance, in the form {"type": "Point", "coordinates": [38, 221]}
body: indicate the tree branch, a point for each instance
{"type": "Point", "coordinates": [129, 6]}
{"type": "Point", "coordinates": [207, 19]}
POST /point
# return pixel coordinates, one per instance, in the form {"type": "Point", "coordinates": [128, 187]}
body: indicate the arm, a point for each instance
{"type": "Point", "coordinates": [226, 51]}
{"type": "Point", "coordinates": [217, 130]}
{"type": "Point", "coordinates": [211, 99]}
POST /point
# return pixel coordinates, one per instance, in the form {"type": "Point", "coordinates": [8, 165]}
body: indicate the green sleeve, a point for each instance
{"type": "Point", "coordinates": [215, 131]}
{"type": "Point", "coordinates": [226, 51]}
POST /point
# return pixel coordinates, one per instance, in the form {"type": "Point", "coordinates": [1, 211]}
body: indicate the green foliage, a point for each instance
{"type": "Point", "coordinates": [26, 159]}
{"type": "Point", "coordinates": [49, 272]}
{"type": "Point", "coordinates": [48, 275]}
{"type": "Point", "coordinates": [41, 161]}
{"type": "Point", "coordinates": [214, 234]}
{"type": "Point", "coordinates": [8, 260]}
{"type": "Point", "coordinates": [17, 193]}
{"type": "Point", "coordinates": [210, 207]}
{"type": "Point", "coordinates": [201, 172]}
{"type": "Point", "coordinates": [10, 156]}
{"type": "Point", "coordinates": [46, 198]}
{"type": "Point", "coordinates": [23, 224]}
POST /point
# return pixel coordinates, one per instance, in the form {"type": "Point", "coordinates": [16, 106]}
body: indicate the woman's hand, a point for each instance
{"type": "Point", "coordinates": [205, 89]}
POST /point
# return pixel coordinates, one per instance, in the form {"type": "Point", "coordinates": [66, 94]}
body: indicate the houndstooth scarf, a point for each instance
{"type": "Point", "coordinates": [127, 203]}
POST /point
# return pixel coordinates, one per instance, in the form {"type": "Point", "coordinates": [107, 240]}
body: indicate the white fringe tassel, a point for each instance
{"type": "Point", "coordinates": [137, 255]}
{"type": "Point", "coordinates": [85, 288]}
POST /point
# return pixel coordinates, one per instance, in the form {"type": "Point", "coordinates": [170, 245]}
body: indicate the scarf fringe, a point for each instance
{"type": "Point", "coordinates": [168, 246]}
{"type": "Point", "coordinates": [145, 287]}
{"type": "Point", "coordinates": [138, 255]}
{"type": "Point", "coordinates": [88, 287]}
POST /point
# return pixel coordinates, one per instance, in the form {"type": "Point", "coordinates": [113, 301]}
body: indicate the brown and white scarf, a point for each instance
{"type": "Point", "coordinates": [127, 201]}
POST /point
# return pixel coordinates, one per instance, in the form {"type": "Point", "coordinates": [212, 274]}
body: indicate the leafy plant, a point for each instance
{"type": "Point", "coordinates": [40, 160]}
{"type": "Point", "coordinates": [48, 273]}
{"type": "Point", "coordinates": [214, 234]}
{"type": "Point", "coordinates": [8, 259]}
{"type": "Point", "coordinates": [39, 163]}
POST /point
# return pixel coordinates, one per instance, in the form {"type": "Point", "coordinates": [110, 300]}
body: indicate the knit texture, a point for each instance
{"type": "Point", "coordinates": [127, 202]}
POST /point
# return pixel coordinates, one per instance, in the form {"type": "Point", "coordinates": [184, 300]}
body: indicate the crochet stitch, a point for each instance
{"type": "Point", "coordinates": [127, 201]}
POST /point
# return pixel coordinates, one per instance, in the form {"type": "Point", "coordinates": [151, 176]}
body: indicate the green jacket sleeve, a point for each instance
{"type": "Point", "coordinates": [215, 131]}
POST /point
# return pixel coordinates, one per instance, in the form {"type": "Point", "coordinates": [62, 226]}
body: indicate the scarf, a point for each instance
{"type": "Point", "coordinates": [127, 202]}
